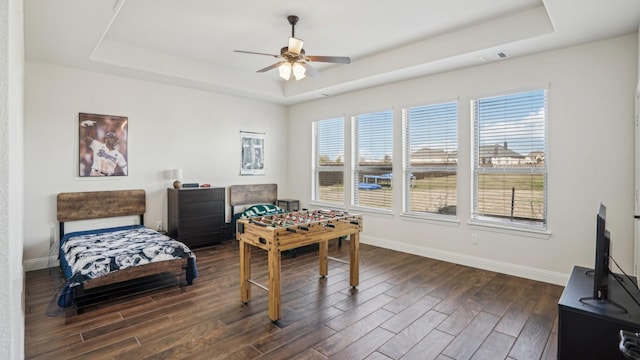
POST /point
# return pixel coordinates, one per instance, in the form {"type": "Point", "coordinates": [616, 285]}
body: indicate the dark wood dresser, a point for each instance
{"type": "Point", "coordinates": [197, 216]}
{"type": "Point", "coordinates": [591, 330]}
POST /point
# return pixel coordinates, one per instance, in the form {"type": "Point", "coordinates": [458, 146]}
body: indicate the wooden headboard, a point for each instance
{"type": "Point", "coordinates": [100, 204]}
{"type": "Point", "coordinates": [252, 194]}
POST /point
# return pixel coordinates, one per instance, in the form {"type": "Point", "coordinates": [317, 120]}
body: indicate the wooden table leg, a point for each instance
{"type": "Point", "coordinates": [354, 265]}
{"type": "Point", "coordinates": [323, 253]}
{"type": "Point", "coordinates": [245, 272]}
{"type": "Point", "coordinates": [274, 263]}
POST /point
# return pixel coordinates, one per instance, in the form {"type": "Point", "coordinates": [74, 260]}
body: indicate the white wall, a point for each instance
{"type": "Point", "coordinates": [169, 127]}
{"type": "Point", "coordinates": [11, 179]}
{"type": "Point", "coordinates": [590, 159]}
{"type": "Point", "coordinates": [591, 151]}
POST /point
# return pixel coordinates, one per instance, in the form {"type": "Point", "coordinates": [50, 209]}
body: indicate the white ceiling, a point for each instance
{"type": "Point", "coordinates": [191, 42]}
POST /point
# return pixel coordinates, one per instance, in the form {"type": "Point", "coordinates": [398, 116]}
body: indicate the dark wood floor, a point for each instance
{"type": "Point", "coordinates": [406, 307]}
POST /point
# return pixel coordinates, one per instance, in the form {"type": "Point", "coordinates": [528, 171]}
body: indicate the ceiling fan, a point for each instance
{"type": "Point", "coordinates": [294, 60]}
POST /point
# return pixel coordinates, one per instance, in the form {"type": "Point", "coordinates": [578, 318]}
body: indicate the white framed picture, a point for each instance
{"type": "Point", "coordinates": [252, 153]}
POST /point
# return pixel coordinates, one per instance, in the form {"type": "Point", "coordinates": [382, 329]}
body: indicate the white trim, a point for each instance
{"type": "Point", "coordinates": [510, 229]}
{"type": "Point", "coordinates": [116, 11]}
{"type": "Point", "coordinates": [437, 219]}
{"type": "Point", "coordinates": [373, 211]}
{"type": "Point", "coordinates": [537, 274]}
{"type": "Point", "coordinates": [40, 263]}
{"type": "Point", "coordinates": [480, 263]}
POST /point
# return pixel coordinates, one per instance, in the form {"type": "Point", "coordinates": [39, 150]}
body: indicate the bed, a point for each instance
{"type": "Point", "coordinates": [97, 260]}
{"type": "Point", "coordinates": [252, 200]}
{"type": "Point", "coordinates": [259, 200]}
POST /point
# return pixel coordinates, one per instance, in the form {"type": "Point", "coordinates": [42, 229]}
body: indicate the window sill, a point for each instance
{"type": "Point", "coordinates": [372, 211]}
{"type": "Point", "coordinates": [432, 218]}
{"type": "Point", "coordinates": [512, 230]}
{"type": "Point", "coordinates": [328, 206]}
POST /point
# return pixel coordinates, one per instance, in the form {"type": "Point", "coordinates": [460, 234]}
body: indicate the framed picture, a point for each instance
{"type": "Point", "coordinates": [102, 145]}
{"type": "Point", "coordinates": [252, 153]}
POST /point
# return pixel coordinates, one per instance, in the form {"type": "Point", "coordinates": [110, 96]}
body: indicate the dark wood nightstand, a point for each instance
{"type": "Point", "coordinates": [289, 204]}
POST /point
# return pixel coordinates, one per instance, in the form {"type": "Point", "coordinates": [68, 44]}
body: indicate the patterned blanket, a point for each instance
{"type": "Point", "coordinates": [255, 210]}
{"type": "Point", "coordinates": [90, 254]}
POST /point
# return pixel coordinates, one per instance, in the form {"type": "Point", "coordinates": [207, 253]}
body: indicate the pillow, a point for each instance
{"type": "Point", "coordinates": [261, 210]}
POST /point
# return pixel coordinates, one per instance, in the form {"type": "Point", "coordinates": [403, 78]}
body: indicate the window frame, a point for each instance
{"type": "Point", "coordinates": [408, 169]}
{"type": "Point", "coordinates": [317, 169]}
{"type": "Point", "coordinates": [356, 168]}
{"type": "Point", "coordinates": [476, 218]}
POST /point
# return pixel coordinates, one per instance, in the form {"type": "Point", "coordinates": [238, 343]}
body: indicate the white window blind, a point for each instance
{"type": "Point", "coordinates": [509, 159]}
{"type": "Point", "coordinates": [328, 161]}
{"type": "Point", "coordinates": [430, 158]}
{"type": "Point", "coordinates": [372, 159]}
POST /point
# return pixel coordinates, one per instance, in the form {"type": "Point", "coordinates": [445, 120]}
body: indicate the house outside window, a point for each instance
{"type": "Point", "coordinates": [430, 159]}
{"type": "Point", "coordinates": [328, 161]}
{"type": "Point", "coordinates": [510, 159]}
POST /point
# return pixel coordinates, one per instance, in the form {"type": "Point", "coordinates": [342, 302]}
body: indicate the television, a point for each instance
{"type": "Point", "coordinates": [600, 297]}
{"type": "Point", "coordinates": [601, 267]}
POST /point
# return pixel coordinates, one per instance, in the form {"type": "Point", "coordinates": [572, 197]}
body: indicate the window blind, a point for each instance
{"type": "Point", "coordinates": [430, 157]}
{"type": "Point", "coordinates": [328, 160]}
{"type": "Point", "coordinates": [373, 159]}
{"type": "Point", "coordinates": [509, 155]}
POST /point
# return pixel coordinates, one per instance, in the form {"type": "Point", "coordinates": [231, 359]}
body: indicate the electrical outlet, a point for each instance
{"type": "Point", "coordinates": [474, 239]}
{"type": "Point", "coordinates": [159, 225]}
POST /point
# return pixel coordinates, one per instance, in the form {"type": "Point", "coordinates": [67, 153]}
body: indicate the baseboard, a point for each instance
{"type": "Point", "coordinates": [476, 262]}
{"type": "Point", "coordinates": [480, 263]}
{"type": "Point", "coordinates": [40, 263]}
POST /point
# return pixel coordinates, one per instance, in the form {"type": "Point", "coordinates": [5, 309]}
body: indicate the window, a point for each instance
{"type": "Point", "coordinates": [430, 158]}
{"type": "Point", "coordinates": [509, 159]}
{"type": "Point", "coordinates": [328, 161]}
{"type": "Point", "coordinates": [372, 160]}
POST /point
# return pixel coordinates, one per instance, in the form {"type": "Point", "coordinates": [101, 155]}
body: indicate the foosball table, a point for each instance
{"type": "Point", "coordinates": [285, 231]}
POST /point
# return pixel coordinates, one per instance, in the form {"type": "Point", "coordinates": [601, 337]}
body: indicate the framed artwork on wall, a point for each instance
{"type": "Point", "coordinates": [102, 146]}
{"type": "Point", "coordinates": [252, 153]}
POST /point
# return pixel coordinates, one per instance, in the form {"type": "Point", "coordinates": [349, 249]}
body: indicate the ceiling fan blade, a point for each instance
{"type": "Point", "coordinates": [311, 71]}
{"type": "Point", "coordinates": [271, 66]}
{"type": "Point", "coordinates": [329, 59]}
{"type": "Point", "coordinates": [256, 53]}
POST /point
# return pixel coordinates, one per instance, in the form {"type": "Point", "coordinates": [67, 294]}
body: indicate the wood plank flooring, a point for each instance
{"type": "Point", "coordinates": [406, 307]}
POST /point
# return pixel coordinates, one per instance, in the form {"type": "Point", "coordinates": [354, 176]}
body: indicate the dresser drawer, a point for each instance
{"type": "Point", "coordinates": [196, 216]}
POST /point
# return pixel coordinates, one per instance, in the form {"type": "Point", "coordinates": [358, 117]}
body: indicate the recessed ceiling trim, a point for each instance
{"type": "Point", "coordinates": [410, 59]}
{"type": "Point", "coordinates": [189, 44]}
{"type": "Point", "coordinates": [116, 10]}
{"type": "Point", "coordinates": [174, 67]}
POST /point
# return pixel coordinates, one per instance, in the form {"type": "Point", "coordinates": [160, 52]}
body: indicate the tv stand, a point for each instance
{"type": "Point", "coordinates": [604, 305]}
{"type": "Point", "coordinates": [590, 329]}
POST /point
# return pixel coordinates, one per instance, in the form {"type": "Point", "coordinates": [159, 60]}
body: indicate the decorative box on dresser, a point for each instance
{"type": "Point", "coordinates": [197, 216]}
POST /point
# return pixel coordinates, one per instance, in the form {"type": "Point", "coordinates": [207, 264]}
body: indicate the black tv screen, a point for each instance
{"type": "Point", "coordinates": [601, 268]}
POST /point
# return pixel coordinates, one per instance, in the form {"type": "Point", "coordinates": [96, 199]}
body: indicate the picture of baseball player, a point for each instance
{"type": "Point", "coordinates": [103, 145]}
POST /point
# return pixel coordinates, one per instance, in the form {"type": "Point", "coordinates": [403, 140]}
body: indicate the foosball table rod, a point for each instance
{"type": "Point", "coordinates": [338, 260]}
{"type": "Point", "coordinates": [258, 285]}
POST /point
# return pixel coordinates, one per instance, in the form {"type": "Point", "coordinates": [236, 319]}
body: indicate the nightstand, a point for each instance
{"type": "Point", "coordinates": [289, 204]}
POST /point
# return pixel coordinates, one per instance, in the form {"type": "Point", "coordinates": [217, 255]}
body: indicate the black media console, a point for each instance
{"type": "Point", "coordinates": [592, 331]}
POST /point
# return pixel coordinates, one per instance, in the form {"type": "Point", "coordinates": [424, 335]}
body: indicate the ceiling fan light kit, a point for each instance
{"type": "Point", "coordinates": [298, 71]}
{"type": "Point", "coordinates": [295, 45]}
{"type": "Point", "coordinates": [285, 70]}
{"type": "Point", "coordinates": [294, 60]}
